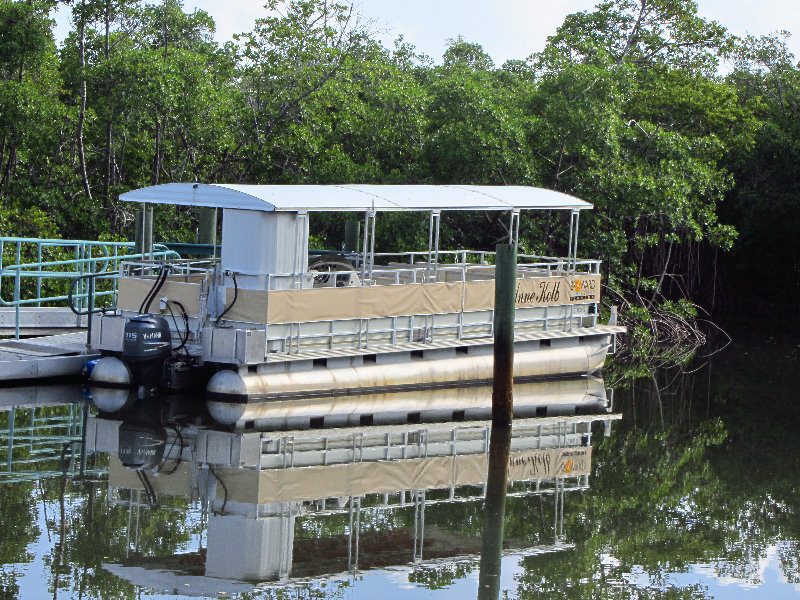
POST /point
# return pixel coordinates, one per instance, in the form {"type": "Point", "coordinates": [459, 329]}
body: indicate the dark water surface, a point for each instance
{"type": "Point", "coordinates": [686, 487]}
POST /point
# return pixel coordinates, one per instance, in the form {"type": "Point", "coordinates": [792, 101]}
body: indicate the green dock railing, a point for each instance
{"type": "Point", "coordinates": [44, 441]}
{"type": "Point", "coordinates": [38, 272]}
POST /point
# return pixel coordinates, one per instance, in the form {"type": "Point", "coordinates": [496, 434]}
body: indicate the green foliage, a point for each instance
{"type": "Point", "coordinates": [764, 203]}
{"type": "Point", "coordinates": [624, 107]}
{"type": "Point", "coordinates": [18, 513]}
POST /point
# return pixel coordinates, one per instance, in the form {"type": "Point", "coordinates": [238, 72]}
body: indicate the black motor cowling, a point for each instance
{"type": "Point", "coordinates": [141, 446]}
{"type": "Point", "coordinates": [146, 345]}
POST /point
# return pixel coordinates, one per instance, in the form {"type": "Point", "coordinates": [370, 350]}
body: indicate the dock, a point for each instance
{"type": "Point", "coordinates": [43, 357]}
{"type": "Point", "coordinates": [40, 320]}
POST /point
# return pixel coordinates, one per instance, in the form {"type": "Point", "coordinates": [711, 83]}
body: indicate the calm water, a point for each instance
{"type": "Point", "coordinates": [686, 486]}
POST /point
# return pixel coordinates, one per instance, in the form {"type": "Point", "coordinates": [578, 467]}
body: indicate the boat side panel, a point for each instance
{"type": "Point", "coordinates": [132, 290]}
{"type": "Point", "coordinates": [329, 304]}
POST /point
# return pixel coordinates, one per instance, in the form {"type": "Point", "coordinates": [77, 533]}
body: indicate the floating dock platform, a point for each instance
{"type": "Point", "coordinates": [34, 320]}
{"type": "Point", "coordinates": [43, 357]}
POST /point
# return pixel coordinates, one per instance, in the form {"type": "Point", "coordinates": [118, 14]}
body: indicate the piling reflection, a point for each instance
{"type": "Point", "coordinates": [283, 507]}
{"type": "Point", "coordinates": [494, 513]}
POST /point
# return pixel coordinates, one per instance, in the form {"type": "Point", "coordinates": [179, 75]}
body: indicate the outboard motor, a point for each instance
{"type": "Point", "coordinates": [145, 347]}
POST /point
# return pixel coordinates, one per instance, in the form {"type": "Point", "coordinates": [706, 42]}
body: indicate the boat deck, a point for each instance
{"type": "Point", "coordinates": [444, 344]}
{"type": "Point", "coordinates": [42, 357]}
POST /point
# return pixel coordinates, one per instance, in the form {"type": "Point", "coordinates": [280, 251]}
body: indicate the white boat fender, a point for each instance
{"type": "Point", "coordinates": [110, 371]}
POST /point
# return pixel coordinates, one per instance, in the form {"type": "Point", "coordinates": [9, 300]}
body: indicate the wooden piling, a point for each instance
{"type": "Point", "coordinates": [138, 235]}
{"type": "Point", "coordinates": [504, 304]}
{"type": "Point", "coordinates": [206, 225]}
{"type": "Point", "coordinates": [505, 282]}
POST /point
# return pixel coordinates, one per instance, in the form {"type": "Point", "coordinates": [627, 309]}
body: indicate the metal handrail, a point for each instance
{"type": "Point", "coordinates": [90, 295]}
{"type": "Point", "coordinates": [419, 273]}
{"type": "Point", "coordinates": [91, 258]}
{"type": "Point", "coordinates": [297, 340]}
{"type": "Point", "coordinates": [38, 445]}
{"type": "Point", "coordinates": [482, 256]}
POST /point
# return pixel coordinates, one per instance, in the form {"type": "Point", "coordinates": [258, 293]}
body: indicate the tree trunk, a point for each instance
{"type": "Point", "coordinates": [82, 111]}
{"type": "Point", "coordinates": [661, 276]}
{"type": "Point", "coordinates": [107, 180]}
{"type": "Point", "coordinates": [107, 171]}
{"type": "Point", "coordinates": [2, 162]}
{"type": "Point", "coordinates": [156, 154]}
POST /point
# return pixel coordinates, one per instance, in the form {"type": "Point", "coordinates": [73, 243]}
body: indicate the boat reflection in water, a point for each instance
{"type": "Point", "coordinates": [293, 506]}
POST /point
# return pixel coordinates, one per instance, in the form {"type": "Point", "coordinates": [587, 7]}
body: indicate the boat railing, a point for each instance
{"type": "Point", "coordinates": [179, 269]}
{"type": "Point", "coordinates": [37, 272]}
{"type": "Point", "coordinates": [324, 327]}
{"type": "Point", "coordinates": [302, 336]}
{"type": "Point", "coordinates": [484, 257]}
{"type": "Point", "coordinates": [346, 446]}
{"type": "Point", "coordinates": [403, 269]}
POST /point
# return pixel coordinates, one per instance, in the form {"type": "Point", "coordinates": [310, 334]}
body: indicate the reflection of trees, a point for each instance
{"type": "Point", "coordinates": [754, 385]}
{"type": "Point", "coordinates": [9, 589]}
{"type": "Point", "coordinates": [98, 533]}
{"type": "Point", "coordinates": [695, 474]}
{"type": "Point", "coordinates": [436, 577]}
{"type": "Point", "coordinates": [648, 506]}
{"type": "Point", "coordinates": [579, 576]}
{"type": "Point", "coordinates": [18, 516]}
{"type": "Point", "coordinates": [789, 554]}
{"type": "Point", "coordinates": [675, 486]}
{"type": "Point", "coordinates": [84, 528]}
{"type": "Point", "coordinates": [329, 590]}
{"type": "Point", "coordinates": [94, 531]}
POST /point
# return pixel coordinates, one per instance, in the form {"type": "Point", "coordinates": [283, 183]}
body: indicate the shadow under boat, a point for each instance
{"type": "Point", "coordinates": [258, 487]}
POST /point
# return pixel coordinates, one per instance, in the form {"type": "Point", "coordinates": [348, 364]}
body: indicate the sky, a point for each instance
{"type": "Point", "coordinates": [507, 29]}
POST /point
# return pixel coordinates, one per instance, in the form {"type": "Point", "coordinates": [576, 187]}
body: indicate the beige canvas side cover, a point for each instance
{"type": "Point", "coordinates": [326, 304]}
{"type": "Point", "coordinates": [132, 290]}
{"type": "Point", "coordinates": [357, 479]}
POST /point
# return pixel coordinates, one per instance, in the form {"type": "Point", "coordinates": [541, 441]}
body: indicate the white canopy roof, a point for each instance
{"type": "Point", "coordinates": [342, 198]}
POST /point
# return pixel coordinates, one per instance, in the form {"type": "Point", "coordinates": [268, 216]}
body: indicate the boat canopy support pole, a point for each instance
{"type": "Point", "coordinates": [368, 253]}
{"type": "Point", "coordinates": [143, 236]}
{"type": "Point", "coordinates": [513, 228]}
{"type": "Point", "coordinates": [148, 240]}
{"type": "Point", "coordinates": [207, 227]}
{"type": "Point", "coordinates": [575, 249]}
{"type": "Point", "coordinates": [433, 246]}
{"type": "Point", "coordinates": [372, 243]}
{"type": "Point", "coordinates": [572, 246]}
{"type": "Point", "coordinates": [573, 239]}
{"type": "Point", "coordinates": [301, 245]}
